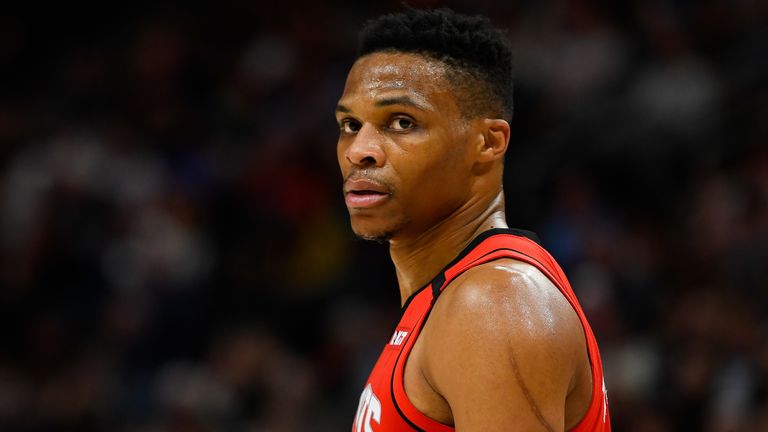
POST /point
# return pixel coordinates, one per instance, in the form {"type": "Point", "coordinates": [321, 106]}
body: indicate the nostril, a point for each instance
{"type": "Point", "coordinates": [362, 159]}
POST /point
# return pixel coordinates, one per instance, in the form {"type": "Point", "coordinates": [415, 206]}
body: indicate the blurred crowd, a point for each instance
{"type": "Point", "coordinates": [175, 254]}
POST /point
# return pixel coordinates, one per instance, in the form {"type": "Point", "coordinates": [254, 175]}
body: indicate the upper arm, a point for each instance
{"type": "Point", "coordinates": [503, 348]}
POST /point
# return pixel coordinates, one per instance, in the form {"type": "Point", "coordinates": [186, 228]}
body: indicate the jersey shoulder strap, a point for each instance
{"type": "Point", "coordinates": [501, 243]}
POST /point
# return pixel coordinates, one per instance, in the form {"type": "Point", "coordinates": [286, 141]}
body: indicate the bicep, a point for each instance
{"type": "Point", "coordinates": [510, 392]}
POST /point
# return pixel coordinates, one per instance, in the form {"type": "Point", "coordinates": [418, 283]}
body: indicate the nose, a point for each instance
{"type": "Point", "coordinates": [366, 148]}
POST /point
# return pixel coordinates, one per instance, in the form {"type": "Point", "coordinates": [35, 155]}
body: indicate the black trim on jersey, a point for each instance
{"type": "Point", "coordinates": [437, 284]}
{"type": "Point", "coordinates": [408, 301]}
{"type": "Point", "coordinates": [392, 379]}
{"type": "Point", "coordinates": [439, 291]}
{"type": "Point", "coordinates": [517, 251]}
{"type": "Point", "coordinates": [439, 280]}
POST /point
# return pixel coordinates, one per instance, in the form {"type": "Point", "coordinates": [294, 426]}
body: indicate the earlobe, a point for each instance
{"type": "Point", "coordinates": [495, 139]}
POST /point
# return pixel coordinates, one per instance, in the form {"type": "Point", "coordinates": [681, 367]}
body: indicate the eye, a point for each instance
{"type": "Point", "coordinates": [401, 123]}
{"type": "Point", "coordinates": [349, 126]}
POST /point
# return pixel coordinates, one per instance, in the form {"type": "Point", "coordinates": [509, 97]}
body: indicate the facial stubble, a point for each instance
{"type": "Point", "coordinates": [383, 236]}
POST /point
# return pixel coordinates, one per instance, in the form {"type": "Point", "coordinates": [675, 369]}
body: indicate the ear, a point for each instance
{"type": "Point", "coordinates": [495, 139]}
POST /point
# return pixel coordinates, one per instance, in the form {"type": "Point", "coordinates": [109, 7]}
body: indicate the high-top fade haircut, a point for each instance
{"type": "Point", "coordinates": [477, 55]}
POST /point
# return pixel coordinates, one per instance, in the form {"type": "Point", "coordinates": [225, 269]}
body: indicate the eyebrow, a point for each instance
{"type": "Point", "coordinates": [403, 100]}
{"type": "Point", "coordinates": [400, 100]}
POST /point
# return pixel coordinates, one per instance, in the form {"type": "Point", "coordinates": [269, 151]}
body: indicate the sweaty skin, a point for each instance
{"type": "Point", "coordinates": [502, 346]}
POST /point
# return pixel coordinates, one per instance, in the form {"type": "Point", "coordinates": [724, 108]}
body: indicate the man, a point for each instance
{"type": "Point", "coordinates": [492, 337]}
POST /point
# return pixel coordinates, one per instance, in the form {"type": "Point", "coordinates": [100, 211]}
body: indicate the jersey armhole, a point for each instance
{"type": "Point", "coordinates": [408, 412]}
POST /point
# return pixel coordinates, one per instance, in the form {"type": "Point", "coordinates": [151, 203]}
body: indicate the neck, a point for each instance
{"type": "Point", "coordinates": [418, 259]}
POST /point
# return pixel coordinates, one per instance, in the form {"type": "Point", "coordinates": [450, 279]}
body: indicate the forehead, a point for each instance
{"type": "Point", "coordinates": [383, 73]}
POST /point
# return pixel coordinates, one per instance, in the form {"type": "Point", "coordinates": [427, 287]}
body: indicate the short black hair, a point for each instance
{"type": "Point", "coordinates": [478, 54]}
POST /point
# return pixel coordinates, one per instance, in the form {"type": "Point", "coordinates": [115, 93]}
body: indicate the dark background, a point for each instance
{"type": "Point", "coordinates": [175, 254]}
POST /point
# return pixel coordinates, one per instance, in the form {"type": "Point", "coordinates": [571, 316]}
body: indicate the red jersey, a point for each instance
{"type": "Point", "coordinates": [384, 406]}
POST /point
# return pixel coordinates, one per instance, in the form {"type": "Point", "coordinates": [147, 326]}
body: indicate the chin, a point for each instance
{"type": "Point", "coordinates": [378, 238]}
{"type": "Point", "coordinates": [377, 232]}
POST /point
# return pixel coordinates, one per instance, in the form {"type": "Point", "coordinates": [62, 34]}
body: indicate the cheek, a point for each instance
{"type": "Point", "coordinates": [436, 176]}
{"type": "Point", "coordinates": [446, 163]}
{"type": "Point", "coordinates": [340, 158]}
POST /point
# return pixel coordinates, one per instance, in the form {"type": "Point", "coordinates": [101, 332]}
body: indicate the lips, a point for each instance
{"type": "Point", "coordinates": [365, 193]}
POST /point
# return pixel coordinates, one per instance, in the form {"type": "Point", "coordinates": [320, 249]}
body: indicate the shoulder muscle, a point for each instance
{"type": "Point", "coordinates": [502, 347]}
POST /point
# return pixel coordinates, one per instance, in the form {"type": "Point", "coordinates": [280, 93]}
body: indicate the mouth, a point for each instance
{"type": "Point", "coordinates": [365, 198]}
{"type": "Point", "coordinates": [365, 193]}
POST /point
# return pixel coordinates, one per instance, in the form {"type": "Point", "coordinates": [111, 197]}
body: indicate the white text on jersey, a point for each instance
{"type": "Point", "coordinates": [398, 337]}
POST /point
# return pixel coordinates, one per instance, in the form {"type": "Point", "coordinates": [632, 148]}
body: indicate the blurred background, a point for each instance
{"type": "Point", "coordinates": [175, 253]}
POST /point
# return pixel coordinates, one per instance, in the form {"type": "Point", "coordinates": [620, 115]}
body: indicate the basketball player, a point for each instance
{"type": "Point", "coordinates": [491, 337]}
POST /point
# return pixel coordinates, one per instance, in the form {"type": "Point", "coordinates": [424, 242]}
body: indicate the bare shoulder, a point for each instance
{"type": "Point", "coordinates": [503, 331]}
{"type": "Point", "coordinates": [512, 300]}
